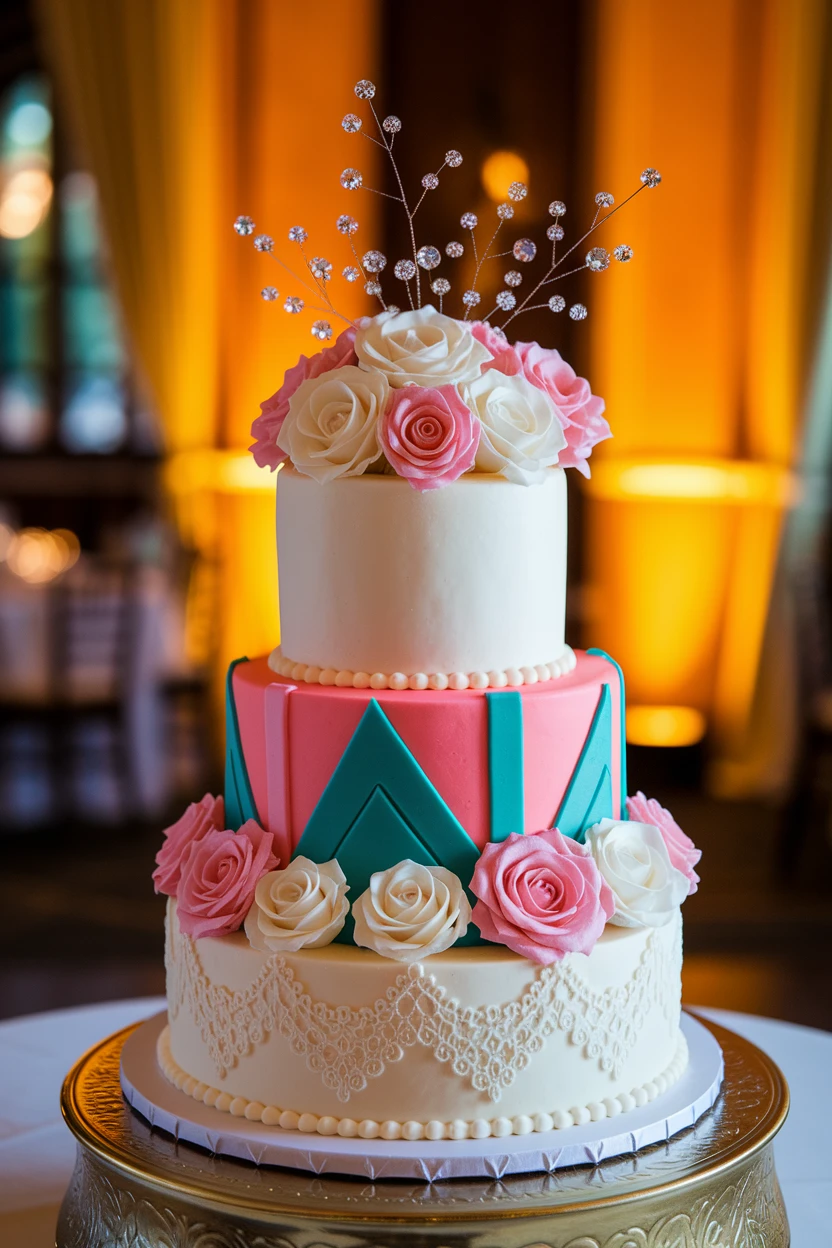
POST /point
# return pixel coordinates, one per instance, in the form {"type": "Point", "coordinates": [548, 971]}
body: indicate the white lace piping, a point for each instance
{"type": "Point", "coordinates": [486, 1045]}
{"type": "Point", "coordinates": [458, 1129]}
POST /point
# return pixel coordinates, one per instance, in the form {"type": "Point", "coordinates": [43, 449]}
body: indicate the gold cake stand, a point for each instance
{"type": "Point", "coordinates": [714, 1186]}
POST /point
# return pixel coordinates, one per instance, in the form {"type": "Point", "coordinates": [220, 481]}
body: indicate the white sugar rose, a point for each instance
{"type": "Point", "coordinates": [302, 907]}
{"type": "Point", "coordinates": [411, 911]}
{"type": "Point", "coordinates": [633, 859]}
{"type": "Point", "coordinates": [331, 428]}
{"type": "Point", "coordinates": [521, 434]}
{"type": "Point", "coordinates": [422, 348]}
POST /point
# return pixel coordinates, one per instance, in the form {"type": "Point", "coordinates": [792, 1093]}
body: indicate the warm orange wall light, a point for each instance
{"type": "Point", "coordinates": [499, 170]}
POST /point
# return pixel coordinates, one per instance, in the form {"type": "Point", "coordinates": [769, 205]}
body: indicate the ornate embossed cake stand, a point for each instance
{"type": "Point", "coordinates": [714, 1186]}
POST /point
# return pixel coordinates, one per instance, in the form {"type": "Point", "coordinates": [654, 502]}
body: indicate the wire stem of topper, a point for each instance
{"type": "Point", "coordinates": [427, 258]}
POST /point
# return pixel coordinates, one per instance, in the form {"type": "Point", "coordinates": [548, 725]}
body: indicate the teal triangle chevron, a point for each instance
{"type": "Point", "coordinates": [505, 763]}
{"type": "Point", "coordinates": [378, 808]}
{"type": "Point", "coordinates": [239, 799]}
{"type": "Point", "coordinates": [589, 796]}
{"type": "Point", "coordinates": [623, 731]}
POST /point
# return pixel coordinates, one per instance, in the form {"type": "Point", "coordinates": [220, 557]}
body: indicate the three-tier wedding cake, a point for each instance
{"type": "Point", "coordinates": [426, 907]}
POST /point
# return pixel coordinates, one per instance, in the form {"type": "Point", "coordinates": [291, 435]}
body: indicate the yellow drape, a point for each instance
{"type": "Point", "coordinates": [190, 112]}
{"type": "Point", "coordinates": [700, 343]}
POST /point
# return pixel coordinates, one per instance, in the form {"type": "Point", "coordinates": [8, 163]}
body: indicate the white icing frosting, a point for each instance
{"type": "Point", "coordinates": [311, 674]}
{"type": "Point", "coordinates": [465, 582]}
{"type": "Point", "coordinates": [474, 1034]}
{"type": "Point", "coordinates": [411, 911]}
{"type": "Point", "coordinates": [633, 859]}
{"type": "Point", "coordinates": [434, 1129]}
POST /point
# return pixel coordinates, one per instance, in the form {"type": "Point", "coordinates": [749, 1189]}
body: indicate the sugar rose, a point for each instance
{"type": "Point", "coordinates": [331, 429]}
{"type": "Point", "coordinates": [429, 436]}
{"type": "Point", "coordinates": [411, 911]}
{"type": "Point", "coordinates": [273, 411]}
{"type": "Point", "coordinates": [634, 862]}
{"type": "Point", "coordinates": [521, 434]}
{"type": "Point", "coordinates": [683, 853]}
{"type": "Point", "coordinates": [218, 879]}
{"type": "Point", "coordinates": [540, 895]}
{"type": "Point", "coordinates": [422, 348]}
{"type": "Point", "coordinates": [199, 819]}
{"type": "Point", "coordinates": [580, 411]}
{"type": "Point", "coordinates": [301, 907]}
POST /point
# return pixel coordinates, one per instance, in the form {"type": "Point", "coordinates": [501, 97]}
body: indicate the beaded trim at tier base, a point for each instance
{"type": "Point", "coordinates": [458, 1129]}
{"type": "Point", "coordinates": [512, 677]}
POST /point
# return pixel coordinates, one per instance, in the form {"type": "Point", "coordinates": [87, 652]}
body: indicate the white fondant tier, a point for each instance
{"type": "Point", "coordinates": [378, 578]}
{"type": "Point", "coordinates": [473, 1042]}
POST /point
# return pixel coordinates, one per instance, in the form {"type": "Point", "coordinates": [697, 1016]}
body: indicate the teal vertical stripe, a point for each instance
{"type": "Point", "coordinates": [505, 763]}
{"type": "Point", "coordinates": [623, 743]}
{"type": "Point", "coordinates": [239, 798]}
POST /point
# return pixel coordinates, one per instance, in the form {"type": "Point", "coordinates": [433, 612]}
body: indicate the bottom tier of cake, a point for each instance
{"type": "Point", "coordinates": [469, 1043]}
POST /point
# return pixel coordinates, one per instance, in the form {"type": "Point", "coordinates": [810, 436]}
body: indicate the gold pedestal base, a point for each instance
{"type": "Point", "coordinates": [712, 1187]}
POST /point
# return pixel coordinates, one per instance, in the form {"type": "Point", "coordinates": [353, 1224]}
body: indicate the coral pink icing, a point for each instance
{"type": "Point", "coordinates": [274, 410]}
{"type": "Point", "coordinates": [683, 853]}
{"type": "Point", "coordinates": [198, 820]}
{"type": "Point", "coordinates": [219, 876]}
{"type": "Point", "coordinates": [541, 895]}
{"type": "Point", "coordinates": [429, 435]}
{"type": "Point", "coordinates": [581, 412]}
{"type": "Point", "coordinates": [291, 755]}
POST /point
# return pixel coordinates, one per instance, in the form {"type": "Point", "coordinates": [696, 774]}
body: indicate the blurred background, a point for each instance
{"type": "Point", "coordinates": [137, 535]}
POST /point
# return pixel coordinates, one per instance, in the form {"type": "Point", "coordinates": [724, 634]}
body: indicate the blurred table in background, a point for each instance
{"type": "Point", "coordinates": [37, 1153]}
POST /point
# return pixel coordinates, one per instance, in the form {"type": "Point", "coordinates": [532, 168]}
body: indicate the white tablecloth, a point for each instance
{"type": "Point", "coordinates": [37, 1152]}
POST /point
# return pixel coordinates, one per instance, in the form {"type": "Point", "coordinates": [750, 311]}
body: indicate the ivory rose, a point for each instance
{"type": "Point", "coordinates": [633, 860]}
{"type": "Point", "coordinates": [541, 895]}
{"type": "Point", "coordinates": [521, 434]}
{"type": "Point", "coordinates": [411, 911]}
{"type": "Point", "coordinates": [429, 436]}
{"type": "Point", "coordinates": [581, 412]}
{"type": "Point", "coordinates": [683, 853]}
{"type": "Point", "coordinates": [273, 411]}
{"type": "Point", "coordinates": [219, 877]}
{"type": "Point", "coordinates": [423, 348]}
{"type": "Point", "coordinates": [331, 429]}
{"type": "Point", "coordinates": [199, 819]}
{"type": "Point", "coordinates": [301, 907]}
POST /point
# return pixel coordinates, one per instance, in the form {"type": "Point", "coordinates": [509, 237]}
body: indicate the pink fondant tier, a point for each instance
{"type": "Point", "coordinates": [294, 735]}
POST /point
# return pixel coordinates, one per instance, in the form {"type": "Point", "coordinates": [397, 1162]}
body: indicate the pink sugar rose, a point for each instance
{"type": "Point", "coordinates": [541, 895]}
{"type": "Point", "coordinates": [199, 819]}
{"type": "Point", "coordinates": [429, 435]}
{"type": "Point", "coordinates": [506, 360]}
{"type": "Point", "coordinates": [681, 850]}
{"type": "Point", "coordinates": [219, 877]}
{"type": "Point", "coordinates": [273, 411]}
{"type": "Point", "coordinates": [581, 412]}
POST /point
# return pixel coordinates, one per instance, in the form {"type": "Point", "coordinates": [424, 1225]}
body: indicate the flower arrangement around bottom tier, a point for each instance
{"type": "Point", "coordinates": [542, 895]}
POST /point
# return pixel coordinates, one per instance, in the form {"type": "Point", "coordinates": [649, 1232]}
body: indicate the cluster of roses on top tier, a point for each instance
{"type": "Point", "coordinates": [542, 895]}
{"type": "Point", "coordinates": [429, 398]}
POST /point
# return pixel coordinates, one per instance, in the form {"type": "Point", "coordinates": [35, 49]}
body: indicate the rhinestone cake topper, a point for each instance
{"type": "Point", "coordinates": [426, 257]}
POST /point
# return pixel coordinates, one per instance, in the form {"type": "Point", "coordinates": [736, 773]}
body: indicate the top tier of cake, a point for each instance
{"type": "Point", "coordinates": [377, 579]}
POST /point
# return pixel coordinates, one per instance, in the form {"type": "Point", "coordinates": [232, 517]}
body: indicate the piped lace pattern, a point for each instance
{"type": "Point", "coordinates": [487, 1045]}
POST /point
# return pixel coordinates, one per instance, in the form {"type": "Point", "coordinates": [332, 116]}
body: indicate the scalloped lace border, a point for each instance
{"type": "Point", "coordinates": [511, 677]}
{"type": "Point", "coordinates": [458, 1129]}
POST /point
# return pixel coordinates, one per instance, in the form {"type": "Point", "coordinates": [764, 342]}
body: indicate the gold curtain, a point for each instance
{"type": "Point", "coordinates": [700, 346]}
{"type": "Point", "coordinates": [188, 113]}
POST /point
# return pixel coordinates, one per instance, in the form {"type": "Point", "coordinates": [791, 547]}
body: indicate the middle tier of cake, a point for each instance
{"type": "Point", "coordinates": [418, 774]}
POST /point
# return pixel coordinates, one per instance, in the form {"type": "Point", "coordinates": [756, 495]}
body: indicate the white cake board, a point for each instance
{"type": "Point", "coordinates": [170, 1110]}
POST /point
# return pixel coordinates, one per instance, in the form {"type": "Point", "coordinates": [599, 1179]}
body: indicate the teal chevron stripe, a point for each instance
{"type": "Point", "coordinates": [589, 795]}
{"type": "Point", "coordinates": [623, 717]}
{"type": "Point", "coordinates": [239, 798]}
{"type": "Point", "coordinates": [505, 763]}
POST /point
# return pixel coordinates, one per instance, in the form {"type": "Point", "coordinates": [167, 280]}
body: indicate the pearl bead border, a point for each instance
{"type": "Point", "coordinates": [512, 677]}
{"type": "Point", "coordinates": [458, 1129]}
